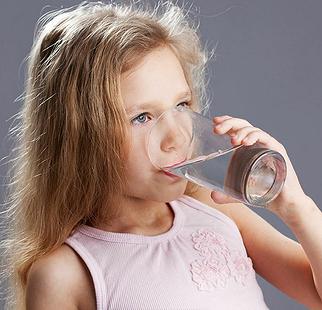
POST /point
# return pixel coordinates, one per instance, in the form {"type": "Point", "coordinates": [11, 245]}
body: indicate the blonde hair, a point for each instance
{"type": "Point", "coordinates": [70, 139]}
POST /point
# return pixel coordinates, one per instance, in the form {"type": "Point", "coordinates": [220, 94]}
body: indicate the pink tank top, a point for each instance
{"type": "Point", "coordinates": [199, 264]}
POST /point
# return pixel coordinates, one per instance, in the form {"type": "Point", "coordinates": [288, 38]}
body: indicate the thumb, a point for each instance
{"type": "Point", "coordinates": [222, 198]}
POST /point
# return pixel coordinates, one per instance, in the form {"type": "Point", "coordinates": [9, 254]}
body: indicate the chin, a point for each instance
{"type": "Point", "coordinates": [160, 192]}
{"type": "Point", "coordinates": [171, 192]}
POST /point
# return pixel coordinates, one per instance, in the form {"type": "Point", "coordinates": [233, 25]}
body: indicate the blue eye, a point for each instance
{"type": "Point", "coordinates": [183, 105]}
{"type": "Point", "coordinates": [142, 118]}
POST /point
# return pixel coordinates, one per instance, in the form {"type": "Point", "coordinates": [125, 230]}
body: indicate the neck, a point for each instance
{"type": "Point", "coordinates": [139, 216]}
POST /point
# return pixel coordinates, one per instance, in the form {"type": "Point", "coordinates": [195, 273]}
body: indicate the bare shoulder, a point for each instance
{"type": "Point", "coordinates": [60, 280]}
{"type": "Point", "coordinates": [203, 195]}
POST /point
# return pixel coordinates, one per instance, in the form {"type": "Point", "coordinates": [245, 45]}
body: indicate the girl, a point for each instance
{"type": "Point", "coordinates": [93, 224]}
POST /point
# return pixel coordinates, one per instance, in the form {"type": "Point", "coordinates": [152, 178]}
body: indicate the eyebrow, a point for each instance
{"type": "Point", "coordinates": [151, 104]}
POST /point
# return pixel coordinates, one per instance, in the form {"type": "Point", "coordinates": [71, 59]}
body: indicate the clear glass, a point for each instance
{"type": "Point", "coordinates": [182, 142]}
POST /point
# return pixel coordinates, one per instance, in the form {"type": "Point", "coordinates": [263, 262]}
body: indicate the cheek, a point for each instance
{"type": "Point", "coordinates": [138, 162]}
{"type": "Point", "coordinates": [137, 149]}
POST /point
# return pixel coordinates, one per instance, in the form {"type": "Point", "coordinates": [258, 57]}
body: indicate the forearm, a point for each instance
{"type": "Point", "coordinates": [304, 218]}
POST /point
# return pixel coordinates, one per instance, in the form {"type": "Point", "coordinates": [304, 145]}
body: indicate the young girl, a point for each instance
{"type": "Point", "coordinates": [93, 224]}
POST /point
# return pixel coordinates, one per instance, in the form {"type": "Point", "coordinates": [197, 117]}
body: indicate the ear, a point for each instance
{"type": "Point", "coordinates": [222, 198]}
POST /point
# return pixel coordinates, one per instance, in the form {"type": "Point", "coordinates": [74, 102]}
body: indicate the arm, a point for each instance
{"type": "Point", "coordinates": [59, 281]}
{"type": "Point", "coordinates": [47, 288]}
{"type": "Point", "coordinates": [294, 268]}
{"type": "Point", "coordinates": [305, 221]}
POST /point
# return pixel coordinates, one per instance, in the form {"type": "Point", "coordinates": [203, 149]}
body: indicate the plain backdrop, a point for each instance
{"type": "Point", "coordinates": [267, 69]}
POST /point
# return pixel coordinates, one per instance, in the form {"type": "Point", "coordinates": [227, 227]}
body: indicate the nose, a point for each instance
{"type": "Point", "coordinates": [174, 138]}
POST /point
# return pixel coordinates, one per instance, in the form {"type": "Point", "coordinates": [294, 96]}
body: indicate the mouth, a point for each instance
{"type": "Point", "coordinates": [169, 174]}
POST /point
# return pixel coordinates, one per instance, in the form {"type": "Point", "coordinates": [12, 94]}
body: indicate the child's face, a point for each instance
{"type": "Point", "coordinates": [159, 80]}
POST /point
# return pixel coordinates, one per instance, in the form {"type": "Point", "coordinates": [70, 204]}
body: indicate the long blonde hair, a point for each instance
{"type": "Point", "coordinates": [70, 136]}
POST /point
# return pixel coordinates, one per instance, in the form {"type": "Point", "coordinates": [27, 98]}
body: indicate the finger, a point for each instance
{"type": "Point", "coordinates": [219, 119]}
{"type": "Point", "coordinates": [242, 133]}
{"type": "Point", "coordinates": [232, 124]}
{"type": "Point", "coordinates": [222, 198]}
{"type": "Point", "coordinates": [260, 136]}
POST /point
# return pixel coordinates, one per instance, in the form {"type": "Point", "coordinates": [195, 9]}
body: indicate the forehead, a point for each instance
{"type": "Point", "coordinates": [158, 77]}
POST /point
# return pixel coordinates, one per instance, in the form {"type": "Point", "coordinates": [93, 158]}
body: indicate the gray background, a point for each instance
{"type": "Point", "coordinates": [268, 70]}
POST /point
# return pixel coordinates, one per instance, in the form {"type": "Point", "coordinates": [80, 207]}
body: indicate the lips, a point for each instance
{"type": "Point", "coordinates": [170, 174]}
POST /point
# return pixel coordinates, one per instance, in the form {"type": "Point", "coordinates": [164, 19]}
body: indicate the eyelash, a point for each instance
{"type": "Point", "coordinates": [186, 103]}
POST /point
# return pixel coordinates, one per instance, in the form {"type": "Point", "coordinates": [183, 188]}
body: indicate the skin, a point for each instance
{"type": "Point", "coordinates": [293, 267]}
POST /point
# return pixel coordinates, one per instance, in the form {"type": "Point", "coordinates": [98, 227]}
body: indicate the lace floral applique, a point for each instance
{"type": "Point", "coordinates": [218, 263]}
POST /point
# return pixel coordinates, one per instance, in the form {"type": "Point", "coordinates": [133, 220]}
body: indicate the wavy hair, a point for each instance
{"type": "Point", "coordinates": [70, 133]}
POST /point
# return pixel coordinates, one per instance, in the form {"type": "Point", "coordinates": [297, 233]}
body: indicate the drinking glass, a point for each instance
{"type": "Point", "coordinates": [183, 142]}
